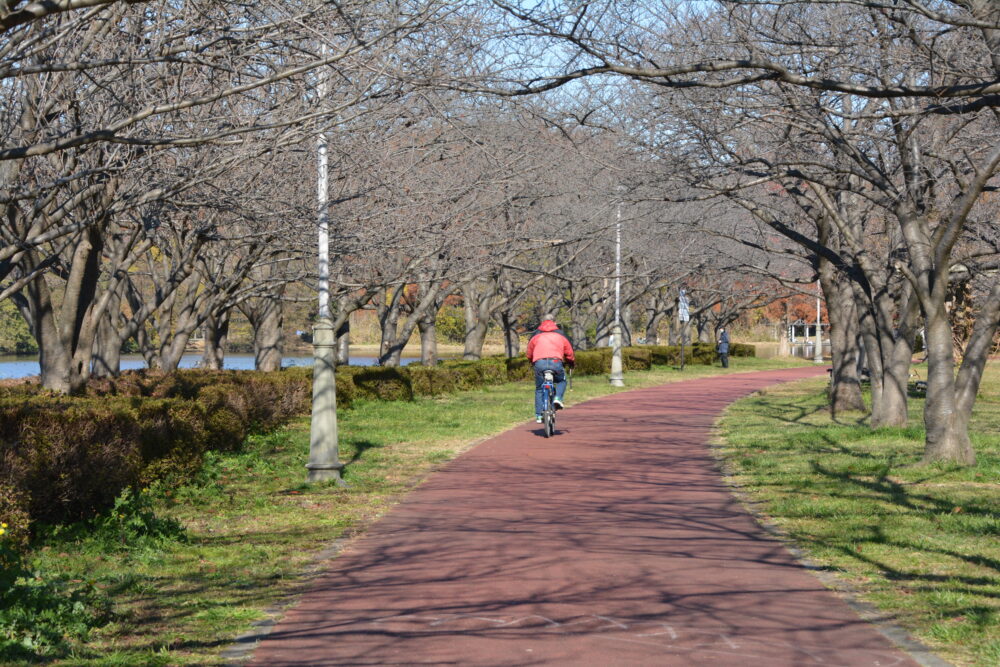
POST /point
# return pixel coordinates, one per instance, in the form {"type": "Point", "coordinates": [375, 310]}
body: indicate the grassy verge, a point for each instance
{"type": "Point", "coordinates": [254, 529]}
{"type": "Point", "coordinates": [920, 543]}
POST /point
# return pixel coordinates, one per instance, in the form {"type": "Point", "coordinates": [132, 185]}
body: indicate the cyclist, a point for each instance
{"type": "Point", "coordinates": [548, 350]}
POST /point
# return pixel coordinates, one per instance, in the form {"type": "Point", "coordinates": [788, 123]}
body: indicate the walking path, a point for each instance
{"type": "Point", "coordinates": [613, 543]}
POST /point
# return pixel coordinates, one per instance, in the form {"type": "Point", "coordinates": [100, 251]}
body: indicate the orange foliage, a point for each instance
{"type": "Point", "coordinates": [800, 307]}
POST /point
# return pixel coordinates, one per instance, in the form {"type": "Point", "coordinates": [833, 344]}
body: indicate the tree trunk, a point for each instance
{"type": "Point", "coordinates": [171, 353]}
{"type": "Point", "coordinates": [888, 355]}
{"type": "Point", "coordinates": [344, 344]}
{"type": "Point", "coordinates": [108, 344]}
{"type": "Point", "coordinates": [511, 341]}
{"type": "Point", "coordinates": [602, 330]}
{"type": "Point", "coordinates": [784, 345]}
{"type": "Point", "coordinates": [577, 331]}
{"type": "Point", "coordinates": [977, 350]}
{"type": "Point", "coordinates": [653, 327]}
{"type": "Point", "coordinates": [268, 344]}
{"type": "Point", "coordinates": [947, 430]}
{"type": "Point", "coordinates": [176, 324]}
{"type": "Point", "coordinates": [65, 335]}
{"type": "Point", "coordinates": [427, 304]}
{"type": "Point", "coordinates": [626, 326]}
{"type": "Point", "coordinates": [216, 334]}
{"type": "Point", "coordinates": [477, 304]}
{"type": "Point", "coordinates": [845, 385]}
{"type": "Point", "coordinates": [53, 358]}
{"type": "Point", "coordinates": [895, 388]}
{"type": "Point", "coordinates": [475, 338]}
{"type": "Point", "coordinates": [388, 319]}
{"type": "Point", "coordinates": [428, 339]}
{"type": "Point", "coordinates": [704, 330]}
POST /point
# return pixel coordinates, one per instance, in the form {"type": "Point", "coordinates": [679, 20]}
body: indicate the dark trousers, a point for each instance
{"type": "Point", "coordinates": [725, 359]}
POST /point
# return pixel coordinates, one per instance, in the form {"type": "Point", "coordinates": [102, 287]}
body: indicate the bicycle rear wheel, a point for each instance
{"type": "Point", "coordinates": [550, 423]}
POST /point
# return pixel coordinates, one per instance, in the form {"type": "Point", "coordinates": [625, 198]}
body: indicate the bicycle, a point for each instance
{"type": "Point", "coordinates": [549, 406]}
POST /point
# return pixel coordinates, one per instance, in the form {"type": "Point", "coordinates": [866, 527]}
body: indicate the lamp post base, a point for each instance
{"type": "Point", "coordinates": [616, 378]}
{"type": "Point", "coordinates": [325, 473]}
{"type": "Point", "coordinates": [324, 464]}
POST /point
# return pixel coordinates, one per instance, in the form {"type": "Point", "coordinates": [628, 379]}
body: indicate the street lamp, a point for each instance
{"type": "Point", "coordinates": [683, 317]}
{"type": "Point", "coordinates": [818, 353]}
{"type": "Point", "coordinates": [616, 379]}
{"type": "Point", "coordinates": [324, 463]}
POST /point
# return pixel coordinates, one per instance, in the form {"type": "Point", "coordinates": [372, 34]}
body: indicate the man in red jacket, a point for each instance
{"type": "Point", "coordinates": [547, 350]}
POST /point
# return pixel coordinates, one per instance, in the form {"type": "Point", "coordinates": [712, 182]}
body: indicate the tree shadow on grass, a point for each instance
{"type": "Point", "coordinates": [956, 583]}
{"type": "Point", "coordinates": [792, 411]}
{"type": "Point", "coordinates": [896, 493]}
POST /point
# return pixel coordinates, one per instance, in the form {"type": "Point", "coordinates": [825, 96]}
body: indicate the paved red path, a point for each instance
{"type": "Point", "coordinates": [613, 543]}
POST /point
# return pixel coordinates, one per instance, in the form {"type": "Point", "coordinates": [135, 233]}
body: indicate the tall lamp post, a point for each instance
{"type": "Point", "coordinates": [616, 379]}
{"type": "Point", "coordinates": [324, 463]}
{"type": "Point", "coordinates": [683, 317]}
{"type": "Point", "coordinates": [818, 353]}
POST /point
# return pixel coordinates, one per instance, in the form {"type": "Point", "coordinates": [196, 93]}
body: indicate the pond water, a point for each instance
{"type": "Point", "coordinates": [20, 367]}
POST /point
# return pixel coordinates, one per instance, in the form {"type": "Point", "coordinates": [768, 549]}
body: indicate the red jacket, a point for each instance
{"type": "Point", "coordinates": [549, 343]}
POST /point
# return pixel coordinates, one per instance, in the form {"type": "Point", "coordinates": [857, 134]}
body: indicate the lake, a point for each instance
{"type": "Point", "coordinates": [21, 367]}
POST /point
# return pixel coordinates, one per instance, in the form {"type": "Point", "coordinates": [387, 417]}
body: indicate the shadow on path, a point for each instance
{"type": "Point", "coordinates": [615, 543]}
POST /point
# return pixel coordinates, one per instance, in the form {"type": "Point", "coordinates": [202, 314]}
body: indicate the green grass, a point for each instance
{"type": "Point", "coordinates": [254, 528]}
{"type": "Point", "coordinates": [919, 542]}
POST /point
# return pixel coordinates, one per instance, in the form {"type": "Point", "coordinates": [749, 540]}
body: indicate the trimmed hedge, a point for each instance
{"type": "Point", "coordinates": [432, 380]}
{"type": "Point", "coordinates": [519, 368]}
{"type": "Point", "coordinates": [598, 362]}
{"type": "Point", "coordinates": [697, 353]}
{"type": "Point", "coordinates": [65, 458]}
{"type": "Point", "coordinates": [378, 383]}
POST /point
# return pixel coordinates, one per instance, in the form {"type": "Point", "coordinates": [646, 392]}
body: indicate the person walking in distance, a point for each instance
{"type": "Point", "coordinates": [723, 348]}
{"type": "Point", "coordinates": [548, 350]}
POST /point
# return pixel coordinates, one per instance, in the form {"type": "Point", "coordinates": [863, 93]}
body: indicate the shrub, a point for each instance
{"type": "Point", "coordinates": [696, 353]}
{"type": "Point", "coordinates": [593, 362]}
{"type": "Point", "coordinates": [173, 437]}
{"type": "Point", "coordinates": [345, 392]}
{"type": "Point", "coordinates": [518, 368]}
{"type": "Point", "coordinates": [450, 324]}
{"type": "Point", "coordinates": [467, 376]}
{"type": "Point", "coordinates": [474, 374]}
{"type": "Point", "coordinates": [227, 415]}
{"type": "Point", "coordinates": [68, 456]}
{"type": "Point", "coordinates": [432, 380]}
{"type": "Point", "coordinates": [72, 456]}
{"type": "Point", "coordinates": [381, 384]}
{"type": "Point", "coordinates": [636, 359]}
{"type": "Point", "coordinates": [664, 355]}
{"type": "Point", "coordinates": [493, 370]}
{"type": "Point", "coordinates": [701, 353]}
